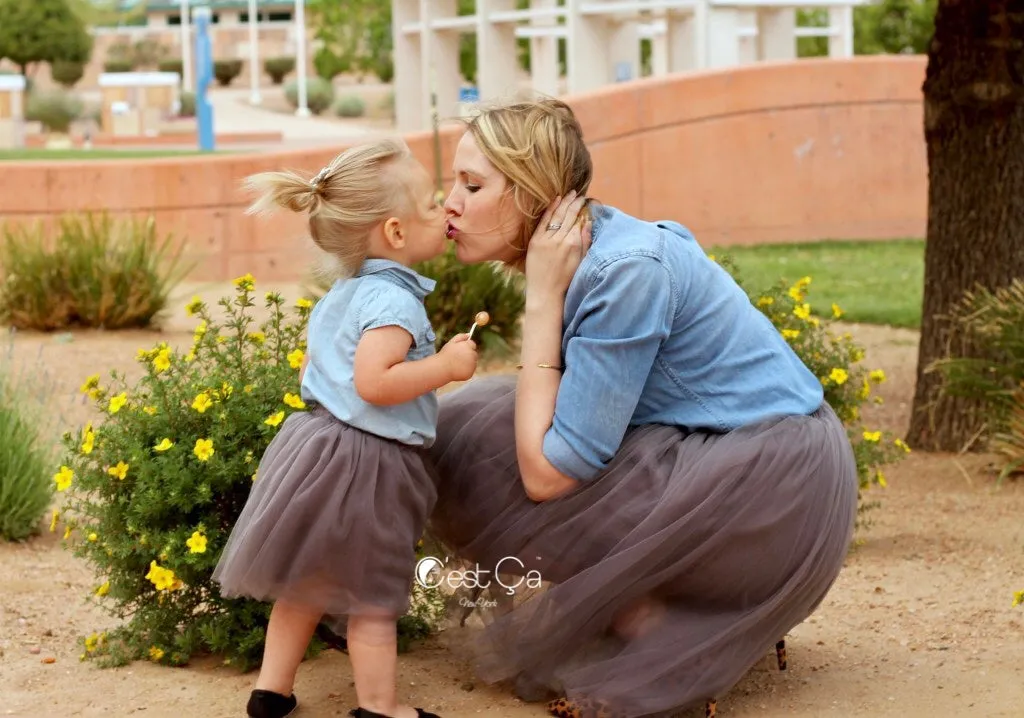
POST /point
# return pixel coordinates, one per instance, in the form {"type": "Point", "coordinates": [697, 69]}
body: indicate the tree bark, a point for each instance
{"type": "Point", "coordinates": [974, 128]}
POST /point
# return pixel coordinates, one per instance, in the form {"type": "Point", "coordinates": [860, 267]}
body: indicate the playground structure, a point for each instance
{"type": "Point", "coordinates": [602, 43]}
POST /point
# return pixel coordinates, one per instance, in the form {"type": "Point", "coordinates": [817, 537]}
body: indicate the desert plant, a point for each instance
{"type": "Point", "coordinates": [329, 65]}
{"type": "Point", "coordinates": [26, 488]}
{"type": "Point", "coordinates": [226, 71]}
{"type": "Point", "coordinates": [171, 65]}
{"type": "Point", "coordinates": [350, 106]}
{"type": "Point", "coordinates": [188, 104]}
{"type": "Point", "coordinates": [91, 271]}
{"type": "Point", "coordinates": [118, 66]}
{"type": "Point", "coordinates": [152, 506]}
{"type": "Point", "coordinates": [55, 109]}
{"type": "Point", "coordinates": [278, 68]}
{"type": "Point", "coordinates": [319, 94]}
{"type": "Point", "coordinates": [67, 73]}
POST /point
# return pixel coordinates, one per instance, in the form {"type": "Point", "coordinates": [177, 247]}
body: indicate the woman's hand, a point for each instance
{"type": "Point", "coordinates": [556, 249]}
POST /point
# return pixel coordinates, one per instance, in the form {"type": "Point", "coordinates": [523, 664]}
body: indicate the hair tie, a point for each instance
{"type": "Point", "coordinates": [320, 177]}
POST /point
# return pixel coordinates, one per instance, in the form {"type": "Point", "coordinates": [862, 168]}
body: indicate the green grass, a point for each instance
{"type": "Point", "coordinates": [96, 154]}
{"type": "Point", "coordinates": [875, 282]}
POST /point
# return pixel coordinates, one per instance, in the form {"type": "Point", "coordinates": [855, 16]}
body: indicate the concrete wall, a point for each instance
{"type": "Point", "coordinates": [814, 149]}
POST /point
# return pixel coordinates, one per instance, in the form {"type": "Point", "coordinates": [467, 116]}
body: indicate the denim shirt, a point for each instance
{"type": "Point", "coordinates": [383, 293]}
{"type": "Point", "coordinates": [655, 332]}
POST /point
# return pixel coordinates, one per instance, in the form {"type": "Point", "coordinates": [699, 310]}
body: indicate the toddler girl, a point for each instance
{"type": "Point", "coordinates": [342, 493]}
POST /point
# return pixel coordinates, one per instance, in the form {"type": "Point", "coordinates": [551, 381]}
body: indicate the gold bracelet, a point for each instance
{"type": "Point", "coordinates": [543, 366]}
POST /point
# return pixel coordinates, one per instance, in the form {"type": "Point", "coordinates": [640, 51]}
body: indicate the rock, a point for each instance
{"type": "Point", "coordinates": [34, 650]}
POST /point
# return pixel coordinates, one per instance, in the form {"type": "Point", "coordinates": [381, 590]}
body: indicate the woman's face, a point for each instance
{"type": "Point", "coordinates": [482, 217]}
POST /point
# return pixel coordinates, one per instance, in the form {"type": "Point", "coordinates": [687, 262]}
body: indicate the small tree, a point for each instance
{"type": "Point", "coordinates": [42, 31]}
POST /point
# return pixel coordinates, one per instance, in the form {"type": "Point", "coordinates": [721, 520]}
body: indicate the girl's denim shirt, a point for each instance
{"type": "Point", "coordinates": [655, 332]}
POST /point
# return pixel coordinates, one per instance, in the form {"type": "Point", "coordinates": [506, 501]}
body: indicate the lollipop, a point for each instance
{"type": "Point", "coordinates": [480, 320]}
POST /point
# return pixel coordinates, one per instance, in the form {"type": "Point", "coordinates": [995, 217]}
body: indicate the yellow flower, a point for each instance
{"type": "Point", "coordinates": [151, 410]}
{"type": "Point", "coordinates": [765, 302]}
{"type": "Point", "coordinates": [249, 458]}
{"type": "Point", "coordinates": [164, 445]}
{"type": "Point", "coordinates": [294, 401]}
{"type": "Point", "coordinates": [155, 653]}
{"type": "Point", "coordinates": [90, 383]}
{"type": "Point", "coordinates": [1018, 599]}
{"type": "Point", "coordinates": [865, 391]}
{"type": "Point", "coordinates": [274, 419]}
{"type": "Point", "coordinates": [202, 402]}
{"type": "Point", "coordinates": [103, 590]}
{"type": "Point", "coordinates": [303, 303]}
{"type": "Point", "coordinates": [53, 520]}
{"type": "Point", "coordinates": [253, 477]}
{"type": "Point", "coordinates": [900, 444]}
{"type": "Point", "coordinates": [119, 471]}
{"type": "Point", "coordinates": [246, 282]}
{"type": "Point", "coordinates": [838, 375]}
{"type": "Point", "coordinates": [795, 294]}
{"type": "Point", "coordinates": [257, 337]}
{"type": "Point", "coordinates": [194, 306]}
{"type": "Point", "coordinates": [63, 478]}
{"type": "Point", "coordinates": [856, 355]}
{"type": "Point", "coordinates": [162, 578]}
{"type": "Point", "coordinates": [91, 642]}
{"type": "Point", "coordinates": [200, 330]}
{"type": "Point", "coordinates": [295, 358]}
{"type": "Point", "coordinates": [836, 311]}
{"type": "Point", "coordinates": [88, 440]}
{"type": "Point", "coordinates": [93, 537]}
{"type": "Point", "coordinates": [190, 357]}
{"type": "Point", "coordinates": [196, 543]}
{"type": "Point", "coordinates": [162, 361]}
{"type": "Point", "coordinates": [873, 436]}
{"type": "Point", "coordinates": [803, 282]}
{"type": "Point", "coordinates": [790, 333]}
{"type": "Point", "coordinates": [880, 477]}
{"type": "Point", "coordinates": [226, 389]}
{"type": "Point", "coordinates": [877, 376]}
{"type": "Point", "coordinates": [67, 532]}
{"type": "Point", "coordinates": [116, 402]}
{"type": "Point", "coordinates": [248, 388]}
{"type": "Point", "coordinates": [802, 311]}
{"type": "Point", "coordinates": [203, 449]}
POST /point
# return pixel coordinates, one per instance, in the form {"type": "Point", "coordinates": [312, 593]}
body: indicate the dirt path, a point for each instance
{"type": "Point", "coordinates": [919, 622]}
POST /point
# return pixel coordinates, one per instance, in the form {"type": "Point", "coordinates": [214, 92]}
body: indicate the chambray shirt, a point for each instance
{"type": "Point", "coordinates": [655, 332]}
{"type": "Point", "coordinates": [383, 293]}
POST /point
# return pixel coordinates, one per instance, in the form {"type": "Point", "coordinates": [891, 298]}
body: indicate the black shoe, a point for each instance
{"type": "Point", "coordinates": [363, 713]}
{"type": "Point", "coordinates": [267, 704]}
{"type": "Point", "coordinates": [332, 639]}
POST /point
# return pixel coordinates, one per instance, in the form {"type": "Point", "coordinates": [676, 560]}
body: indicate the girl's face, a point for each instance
{"type": "Point", "coordinates": [425, 225]}
{"type": "Point", "coordinates": [483, 220]}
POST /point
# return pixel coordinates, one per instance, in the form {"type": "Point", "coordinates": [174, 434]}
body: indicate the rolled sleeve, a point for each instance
{"type": "Point", "coordinates": [620, 325]}
{"type": "Point", "coordinates": [394, 307]}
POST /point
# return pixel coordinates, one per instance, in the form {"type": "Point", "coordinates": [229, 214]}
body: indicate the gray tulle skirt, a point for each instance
{"type": "Point", "coordinates": [332, 521]}
{"type": "Point", "coordinates": [735, 539]}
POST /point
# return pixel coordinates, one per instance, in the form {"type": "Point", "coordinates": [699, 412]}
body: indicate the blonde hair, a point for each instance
{"type": "Point", "coordinates": [538, 146]}
{"type": "Point", "coordinates": [349, 197]}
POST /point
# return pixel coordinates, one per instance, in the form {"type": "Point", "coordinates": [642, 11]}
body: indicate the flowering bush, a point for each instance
{"type": "Point", "coordinates": [153, 491]}
{"type": "Point", "coordinates": [836, 360]}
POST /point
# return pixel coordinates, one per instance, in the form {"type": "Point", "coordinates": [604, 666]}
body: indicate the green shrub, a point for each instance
{"type": "Point", "coordinates": [319, 94]}
{"type": "Point", "coordinates": [836, 360]}
{"type": "Point", "coordinates": [172, 65]}
{"type": "Point", "coordinates": [91, 271]}
{"type": "Point", "coordinates": [278, 68]}
{"type": "Point", "coordinates": [188, 104]}
{"type": "Point", "coordinates": [226, 71]}
{"type": "Point", "coordinates": [350, 106]}
{"type": "Point", "coordinates": [55, 109]}
{"type": "Point", "coordinates": [67, 73]}
{"type": "Point", "coordinates": [152, 506]}
{"type": "Point", "coordinates": [118, 66]}
{"type": "Point", "coordinates": [26, 488]}
{"type": "Point", "coordinates": [894, 26]}
{"type": "Point", "coordinates": [991, 324]}
{"type": "Point", "coordinates": [328, 65]}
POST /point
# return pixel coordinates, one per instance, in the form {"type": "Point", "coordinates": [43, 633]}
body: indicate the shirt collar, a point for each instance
{"type": "Point", "coordinates": [399, 274]}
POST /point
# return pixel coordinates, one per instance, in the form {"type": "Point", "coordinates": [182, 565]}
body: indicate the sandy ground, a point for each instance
{"type": "Point", "coordinates": [919, 622]}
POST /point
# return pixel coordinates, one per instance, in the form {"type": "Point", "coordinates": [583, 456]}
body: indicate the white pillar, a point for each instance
{"type": "Point", "coordinates": [186, 48]}
{"type": "Point", "coordinates": [842, 18]}
{"type": "Point", "coordinates": [659, 48]}
{"type": "Point", "coordinates": [717, 35]}
{"type": "Point", "coordinates": [624, 50]}
{"type": "Point", "coordinates": [408, 82]}
{"type": "Point", "coordinates": [544, 70]}
{"type": "Point", "coordinates": [777, 37]}
{"type": "Point", "coordinates": [300, 57]}
{"type": "Point", "coordinates": [497, 61]}
{"type": "Point", "coordinates": [587, 49]}
{"type": "Point", "coordinates": [681, 42]}
{"type": "Point", "coordinates": [439, 62]}
{"type": "Point", "coordinates": [254, 55]}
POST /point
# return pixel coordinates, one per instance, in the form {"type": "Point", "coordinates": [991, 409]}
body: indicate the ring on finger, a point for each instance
{"type": "Point", "coordinates": [555, 226]}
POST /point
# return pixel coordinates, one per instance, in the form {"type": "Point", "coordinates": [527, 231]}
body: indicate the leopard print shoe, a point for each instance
{"type": "Point", "coordinates": [582, 708]}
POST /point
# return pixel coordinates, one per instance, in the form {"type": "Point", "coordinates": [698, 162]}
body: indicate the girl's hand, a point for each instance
{"type": "Point", "coordinates": [556, 249]}
{"type": "Point", "coordinates": [460, 357]}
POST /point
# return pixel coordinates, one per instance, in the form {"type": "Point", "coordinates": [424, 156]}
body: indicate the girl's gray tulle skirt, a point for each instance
{"type": "Point", "coordinates": [735, 537]}
{"type": "Point", "coordinates": [332, 521]}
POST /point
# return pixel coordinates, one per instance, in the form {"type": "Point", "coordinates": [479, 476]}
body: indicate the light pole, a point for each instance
{"type": "Point", "coordinates": [186, 48]}
{"type": "Point", "coordinates": [254, 55]}
{"type": "Point", "coordinates": [300, 56]}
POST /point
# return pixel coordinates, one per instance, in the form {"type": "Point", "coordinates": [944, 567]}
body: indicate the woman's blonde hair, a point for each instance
{"type": "Point", "coordinates": [538, 146]}
{"type": "Point", "coordinates": [349, 197]}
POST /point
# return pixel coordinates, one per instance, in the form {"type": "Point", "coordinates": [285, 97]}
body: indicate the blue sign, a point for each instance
{"type": "Point", "coordinates": [469, 94]}
{"type": "Point", "coordinates": [623, 71]}
{"type": "Point", "coordinates": [204, 75]}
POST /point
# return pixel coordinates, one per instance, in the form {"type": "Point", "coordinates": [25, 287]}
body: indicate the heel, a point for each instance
{"type": "Point", "coordinates": [780, 654]}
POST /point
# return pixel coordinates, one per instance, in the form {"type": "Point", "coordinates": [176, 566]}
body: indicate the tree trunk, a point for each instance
{"type": "Point", "coordinates": [974, 127]}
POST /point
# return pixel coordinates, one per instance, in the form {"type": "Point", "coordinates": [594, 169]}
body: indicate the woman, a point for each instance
{"type": "Point", "coordinates": [662, 457]}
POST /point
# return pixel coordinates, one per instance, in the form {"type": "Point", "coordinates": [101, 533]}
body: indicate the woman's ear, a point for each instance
{"type": "Point", "coordinates": [393, 233]}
